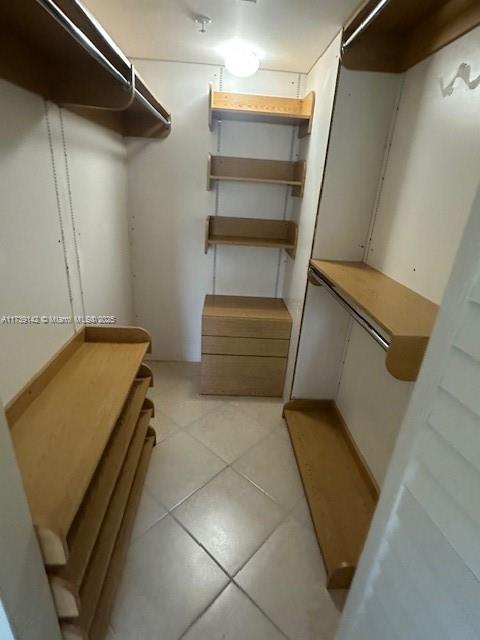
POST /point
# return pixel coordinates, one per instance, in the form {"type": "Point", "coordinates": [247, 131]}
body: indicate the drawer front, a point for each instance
{"type": "Point", "coordinates": [244, 346]}
{"type": "Point", "coordinates": [242, 375]}
{"type": "Point", "coordinates": [246, 328]}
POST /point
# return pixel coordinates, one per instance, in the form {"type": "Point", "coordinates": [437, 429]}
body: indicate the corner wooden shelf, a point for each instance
{"type": "Point", "coordinates": [281, 172]}
{"type": "Point", "coordinates": [404, 32]}
{"type": "Point", "coordinates": [40, 55]}
{"type": "Point", "coordinates": [252, 232]}
{"type": "Point", "coordinates": [405, 317]}
{"type": "Point", "coordinates": [341, 493]}
{"type": "Point", "coordinates": [256, 108]}
{"type": "Point", "coordinates": [62, 421]}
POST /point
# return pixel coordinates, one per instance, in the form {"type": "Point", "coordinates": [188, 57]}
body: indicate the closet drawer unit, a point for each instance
{"type": "Point", "coordinates": [245, 344]}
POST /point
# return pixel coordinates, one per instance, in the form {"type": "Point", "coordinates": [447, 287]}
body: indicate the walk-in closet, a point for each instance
{"type": "Point", "coordinates": [239, 320]}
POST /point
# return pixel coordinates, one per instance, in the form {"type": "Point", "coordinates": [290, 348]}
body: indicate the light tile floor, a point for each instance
{"type": "Point", "coordinates": [223, 546]}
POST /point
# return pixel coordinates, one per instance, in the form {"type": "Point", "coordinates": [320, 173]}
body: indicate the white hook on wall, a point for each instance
{"type": "Point", "coordinates": [464, 72]}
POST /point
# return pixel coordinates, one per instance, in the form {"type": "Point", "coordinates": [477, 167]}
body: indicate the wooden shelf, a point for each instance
{"type": "Point", "coordinates": [406, 317]}
{"type": "Point", "coordinates": [98, 566]}
{"type": "Point", "coordinates": [405, 32]}
{"type": "Point", "coordinates": [235, 169]}
{"type": "Point", "coordinates": [253, 232]}
{"type": "Point", "coordinates": [61, 423]}
{"type": "Point", "coordinates": [66, 581]}
{"type": "Point", "coordinates": [256, 108]}
{"type": "Point", "coordinates": [341, 493]}
{"type": "Point", "coordinates": [99, 624]}
{"type": "Point", "coordinates": [38, 54]}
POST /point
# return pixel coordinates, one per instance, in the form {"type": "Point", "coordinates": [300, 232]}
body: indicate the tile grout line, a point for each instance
{"type": "Point", "coordinates": [204, 611]}
{"type": "Point", "coordinates": [202, 546]}
{"type": "Point", "coordinates": [243, 453]}
{"type": "Point", "coordinates": [231, 578]}
{"type": "Point", "coordinates": [247, 595]}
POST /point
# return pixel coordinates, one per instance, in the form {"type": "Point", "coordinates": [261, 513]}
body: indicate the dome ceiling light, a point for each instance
{"type": "Point", "coordinates": [241, 60]}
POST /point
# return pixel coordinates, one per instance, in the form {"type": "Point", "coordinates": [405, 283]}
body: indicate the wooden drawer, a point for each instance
{"type": "Point", "coordinates": [246, 327]}
{"type": "Point", "coordinates": [244, 317]}
{"type": "Point", "coordinates": [217, 345]}
{"type": "Point", "coordinates": [242, 375]}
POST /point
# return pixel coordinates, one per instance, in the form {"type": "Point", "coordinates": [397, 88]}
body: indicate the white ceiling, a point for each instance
{"type": "Point", "coordinates": [288, 34]}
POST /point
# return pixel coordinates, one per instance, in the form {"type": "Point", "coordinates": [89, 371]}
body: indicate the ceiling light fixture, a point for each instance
{"type": "Point", "coordinates": [241, 61]}
{"type": "Point", "coordinates": [203, 22]}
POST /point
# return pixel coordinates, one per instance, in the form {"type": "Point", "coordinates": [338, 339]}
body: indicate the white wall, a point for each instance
{"type": "Point", "coordinates": [98, 175]}
{"type": "Point", "coordinates": [24, 590]}
{"type": "Point", "coordinates": [42, 247]}
{"type": "Point", "coordinates": [364, 108]}
{"type": "Point", "coordinates": [371, 401]}
{"type": "Point", "coordinates": [419, 574]}
{"type": "Point", "coordinates": [32, 262]}
{"type": "Point", "coordinates": [169, 203]}
{"type": "Point", "coordinates": [432, 172]}
{"type": "Point", "coordinates": [323, 80]}
{"type": "Point", "coordinates": [362, 119]}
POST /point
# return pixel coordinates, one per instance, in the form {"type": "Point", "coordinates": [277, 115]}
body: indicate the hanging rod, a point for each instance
{"type": "Point", "coordinates": [364, 23]}
{"type": "Point", "coordinates": [85, 42]}
{"type": "Point", "coordinates": [319, 281]}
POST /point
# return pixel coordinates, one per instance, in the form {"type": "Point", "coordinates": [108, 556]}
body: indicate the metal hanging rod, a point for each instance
{"type": "Point", "coordinates": [364, 24]}
{"type": "Point", "coordinates": [84, 41]}
{"type": "Point", "coordinates": [318, 281]}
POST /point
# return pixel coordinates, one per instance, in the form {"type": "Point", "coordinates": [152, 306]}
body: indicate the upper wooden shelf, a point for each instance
{"type": "Point", "coordinates": [62, 421]}
{"type": "Point", "coordinates": [406, 317]}
{"type": "Point", "coordinates": [405, 32]}
{"type": "Point", "coordinates": [256, 108]}
{"type": "Point", "coordinates": [253, 232]}
{"type": "Point", "coordinates": [42, 56]}
{"type": "Point", "coordinates": [282, 172]}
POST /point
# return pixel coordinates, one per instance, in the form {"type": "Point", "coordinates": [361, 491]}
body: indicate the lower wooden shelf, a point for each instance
{"type": "Point", "coordinates": [98, 626]}
{"type": "Point", "coordinates": [65, 581]}
{"type": "Point", "coordinates": [341, 493]}
{"type": "Point", "coordinates": [252, 232]}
